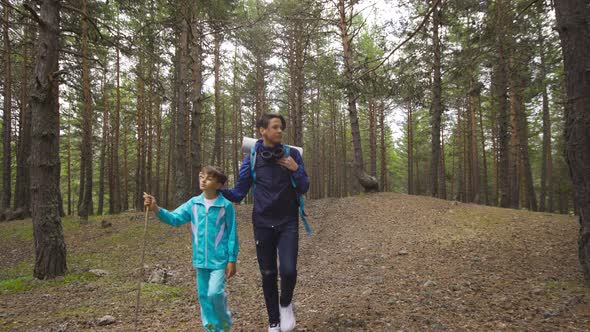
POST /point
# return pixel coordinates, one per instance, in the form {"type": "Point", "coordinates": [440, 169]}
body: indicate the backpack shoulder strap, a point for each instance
{"type": "Point", "coordinates": [300, 200]}
{"type": "Point", "coordinates": [253, 167]}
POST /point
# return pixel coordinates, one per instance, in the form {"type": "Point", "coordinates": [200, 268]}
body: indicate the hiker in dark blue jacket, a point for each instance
{"type": "Point", "coordinates": [277, 183]}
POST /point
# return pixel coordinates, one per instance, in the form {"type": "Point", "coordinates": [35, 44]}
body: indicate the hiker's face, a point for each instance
{"type": "Point", "coordinates": [273, 133]}
{"type": "Point", "coordinates": [207, 182]}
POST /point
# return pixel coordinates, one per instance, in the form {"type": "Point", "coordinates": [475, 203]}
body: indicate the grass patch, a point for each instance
{"type": "Point", "coordinates": [17, 230]}
{"type": "Point", "coordinates": [161, 292]}
{"type": "Point", "coordinates": [22, 268]}
{"type": "Point", "coordinates": [26, 283]}
{"type": "Point", "coordinates": [16, 285]}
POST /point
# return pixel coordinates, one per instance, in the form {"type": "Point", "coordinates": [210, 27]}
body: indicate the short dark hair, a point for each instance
{"type": "Point", "coordinates": [265, 120]}
{"type": "Point", "coordinates": [215, 172]}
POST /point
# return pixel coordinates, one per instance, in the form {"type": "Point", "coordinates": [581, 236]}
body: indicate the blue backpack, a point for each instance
{"type": "Point", "coordinates": [299, 196]}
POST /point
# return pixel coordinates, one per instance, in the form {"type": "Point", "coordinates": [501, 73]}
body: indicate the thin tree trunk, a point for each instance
{"type": "Point", "coordinates": [369, 183]}
{"type": "Point", "coordinates": [157, 185]}
{"type": "Point", "coordinates": [216, 155]}
{"type": "Point", "coordinates": [197, 109]}
{"type": "Point", "coordinates": [140, 164]}
{"type": "Point", "coordinates": [384, 182]}
{"type": "Point", "coordinates": [372, 138]}
{"type": "Point", "coordinates": [103, 148]}
{"type": "Point", "coordinates": [85, 207]}
{"type": "Point", "coordinates": [22, 192]}
{"type": "Point", "coordinates": [436, 103]}
{"type": "Point", "coordinates": [50, 248]}
{"type": "Point", "coordinates": [410, 133]}
{"type": "Point", "coordinates": [474, 155]}
{"type": "Point", "coordinates": [115, 181]}
{"type": "Point", "coordinates": [182, 174]}
{"type": "Point", "coordinates": [572, 23]}
{"type": "Point", "coordinates": [483, 151]}
{"type": "Point", "coordinates": [546, 160]}
{"type": "Point", "coordinates": [6, 118]}
{"type": "Point", "coordinates": [502, 103]}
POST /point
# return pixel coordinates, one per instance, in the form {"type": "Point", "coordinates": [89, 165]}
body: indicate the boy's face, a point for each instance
{"type": "Point", "coordinates": [273, 133]}
{"type": "Point", "coordinates": [208, 182]}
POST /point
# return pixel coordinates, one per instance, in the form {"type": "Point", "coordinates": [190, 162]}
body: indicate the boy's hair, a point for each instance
{"type": "Point", "coordinates": [265, 120]}
{"type": "Point", "coordinates": [215, 172]}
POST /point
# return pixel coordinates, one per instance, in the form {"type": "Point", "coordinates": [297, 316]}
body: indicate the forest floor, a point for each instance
{"type": "Point", "coordinates": [379, 262]}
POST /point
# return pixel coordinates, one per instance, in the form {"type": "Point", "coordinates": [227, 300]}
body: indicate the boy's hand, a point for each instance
{"type": "Point", "coordinates": [230, 270]}
{"type": "Point", "coordinates": [289, 163]}
{"type": "Point", "coordinates": [149, 200]}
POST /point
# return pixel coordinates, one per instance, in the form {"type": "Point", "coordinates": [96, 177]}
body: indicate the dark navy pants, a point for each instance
{"type": "Point", "coordinates": [283, 239]}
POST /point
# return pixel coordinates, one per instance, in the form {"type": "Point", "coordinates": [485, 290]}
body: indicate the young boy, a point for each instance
{"type": "Point", "coordinates": [215, 244]}
{"type": "Point", "coordinates": [275, 216]}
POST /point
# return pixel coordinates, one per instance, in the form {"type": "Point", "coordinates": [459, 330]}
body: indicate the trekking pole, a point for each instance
{"type": "Point", "coordinates": [141, 267]}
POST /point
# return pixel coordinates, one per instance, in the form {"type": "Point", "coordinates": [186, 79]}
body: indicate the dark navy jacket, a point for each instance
{"type": "Point", "coordinates": [275, 199]}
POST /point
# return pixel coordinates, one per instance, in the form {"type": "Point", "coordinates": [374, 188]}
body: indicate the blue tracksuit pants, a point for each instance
{"type": "Point", "coordinates": [215, 313]}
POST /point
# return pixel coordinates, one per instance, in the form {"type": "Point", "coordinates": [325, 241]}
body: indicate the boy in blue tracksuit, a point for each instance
{"type": "Point", "coordinates": [279, 180]}
{"type": "Point", "coordinates": [215, 244]}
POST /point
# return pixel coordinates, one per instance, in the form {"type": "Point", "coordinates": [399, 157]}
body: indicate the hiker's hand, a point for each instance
{"type": "Point", "coordinates": [289, 163]}
{"type": "Point", "coordinates": [149, 200]}
{"type": "Point", "coordinates": [230, 270]}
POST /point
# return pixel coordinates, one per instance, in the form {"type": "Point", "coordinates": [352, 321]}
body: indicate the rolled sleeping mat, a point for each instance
{"type": "Point", "coordinates": [248, 143]}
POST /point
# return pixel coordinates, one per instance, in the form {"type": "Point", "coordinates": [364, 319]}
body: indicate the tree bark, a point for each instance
{"type": "Point", "coordinates": [546, 160]}
{"type": "Point", "coordinates": [115, 205]}
{"type": "Point", "coordinates": [182, 174]}
{"type": "Point", "coordinates": [410, 133]}
{"type": "Point", "coordinates": [436, 108]}
{"type": "Point", "coordinates": [197, 109]}
{"type": "Point", "coordinates": [383, 131]}
{"type": "Point", "coordinates": [574, 32]}
{"type": "Point", "coordinates": [6, 118]}
{"type": "Point", "coordinates": [368, 182]}
{"type": "Point", "coordinates": [85, 207]}
{"type": "Point", "coordinates": [104, 145]}
{"type": "Point", "coordinates": [50, 248]}
{"type": "Point", "coordinates": [474, 154]}
{"type": "Point", "coordinates": [501, 100]}
{"type": "Point", "coordinates": [216, 153]}
{"type": "Point", "coordinates": [22, 192]}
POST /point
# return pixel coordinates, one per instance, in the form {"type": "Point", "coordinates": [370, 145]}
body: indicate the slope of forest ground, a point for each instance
{"type": "Point", "coordinates": [379, 262]}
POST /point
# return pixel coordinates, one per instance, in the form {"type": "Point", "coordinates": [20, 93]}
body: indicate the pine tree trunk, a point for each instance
{"type": "Point", "coordinates": [157, 185]}
{"type": "Point", "coordinates": [474, 155]}
{"type": "Point", "coordinates": [115, 197]}
{"type": "Point", "coordinates": [182, 174]}
{"type": "Point", "coordinates": [368, 182]}
{"type": "Point", "coordinates": [85, 207]}
{"type": "Point", "coordinates": [197, 109]}
{"type": "Point", "coordinates": [410, 148]}
{"type": "Point", "coordinates": [22, 192]}
{"type": "Point", "coordinates": [436, 109]}
{"type": "Point", "coordinates": [104, 145]}
{"type": "Point", "coordinates": [50, 248]}
{"type": "Point", "coordinates": [501, 100]}
{"type": "Point", "coordinates": [216, 155]}
{"type": "Point", "coordinates": [140, 162]}
{"type": "Point", "coordinates": [572, 25]}
{"type": "Point", "coordinates": [372, 138]}
{"type": "Point", "coordinates": [6, 118]}
{"type": "Point", "coordinates": [486, 198]}
{"type": "Point", "coordinates": [383, 131]}
{"type": "Point", "coordinates": [546, 160]}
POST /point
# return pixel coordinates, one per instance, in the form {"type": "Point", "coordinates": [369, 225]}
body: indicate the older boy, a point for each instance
{"type": "Point", "coordinates": [275, 215]}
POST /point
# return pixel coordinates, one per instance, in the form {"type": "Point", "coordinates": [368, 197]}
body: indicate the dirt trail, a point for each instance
{"type": "Point", "coordinates": [381, 262]}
